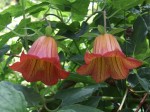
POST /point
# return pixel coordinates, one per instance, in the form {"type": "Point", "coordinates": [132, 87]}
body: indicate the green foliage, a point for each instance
{"type": "Point", "coordinates": [78, 108]}
{"type": "Point", "coordinates": [75, 24]}
{"type": "Point", "coordinates": [11, 99]}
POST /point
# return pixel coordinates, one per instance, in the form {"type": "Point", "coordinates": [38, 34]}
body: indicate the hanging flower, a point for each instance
{"type": "Point", "coordinates": [41, 63]}
{"type": "Point", "coordinates": [107, 60]}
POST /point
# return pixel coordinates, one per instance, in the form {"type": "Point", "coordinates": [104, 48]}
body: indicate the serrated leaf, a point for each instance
{"type": "Point", "coordinates": [11, 99]}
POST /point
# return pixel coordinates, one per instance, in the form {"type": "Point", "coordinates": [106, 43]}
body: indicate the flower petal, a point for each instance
{"type": "Point", "coordinates": [34, 69]}
{"type": "Point", "coordinates": [117, 68]}
{"type": "Point", "coordinates": [89, 57]}
{"type": "Point", "coordinates": [132, 63]}
{"type": "Point", "coordinates": [119, 64]}
{"type": "Point", "coordinates": [97, 68]}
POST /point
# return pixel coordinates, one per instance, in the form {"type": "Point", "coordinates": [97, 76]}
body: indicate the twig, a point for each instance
{"type": "Point", "coordinates": [12, 55]}
{"type": "Point", "coordinates": [123, 100]}
{"type": "Point", "coordinates": [55, 16]}
{"type": "Point", "coordinates": [141, 102]}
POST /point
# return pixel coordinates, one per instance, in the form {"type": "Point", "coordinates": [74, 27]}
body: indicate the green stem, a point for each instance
{"type": "Point", "coordinates": [104, 12]}
{"type": "Point", "coordinates": [55, 16]}
{"type": "Point", "coordinates": [108, 98]}
{"type": "Point", "coordinates": [13, 31]}
{"type": "Point", "coordinates": [25, 24]}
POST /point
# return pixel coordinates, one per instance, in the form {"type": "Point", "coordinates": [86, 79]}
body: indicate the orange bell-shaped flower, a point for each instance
{"type": "Point", "coordinates": [41, 63]}
{"type": "Point", "coordinates": [107, 60]}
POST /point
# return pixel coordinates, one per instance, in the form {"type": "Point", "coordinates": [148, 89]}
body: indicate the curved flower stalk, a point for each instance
{"type": "Point", "coordinates": [107, 60]}
{"type": "Point", "coordinates": [41, 63]}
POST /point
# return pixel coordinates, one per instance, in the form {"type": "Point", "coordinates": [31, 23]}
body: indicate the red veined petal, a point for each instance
{"type": "Point", "coordinates": [34, 69]}
{"type": "Point", "coordinates": [90, 56]}
{"type": "Point", "coordinates": [117, 68]}
{"type": "Point", "coordinates": [97, 68]}
{"type": "Point", "coordinates": [132, 63]}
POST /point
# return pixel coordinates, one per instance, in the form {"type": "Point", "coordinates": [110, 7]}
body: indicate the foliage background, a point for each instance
{"type": "Point", "coordinates": [74, 24]}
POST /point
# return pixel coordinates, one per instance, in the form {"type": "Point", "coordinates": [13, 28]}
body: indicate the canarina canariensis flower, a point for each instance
{"type": "Point", "coordinates": [41, 63]}
{"type": "Point", "coordinates": [107, 60]}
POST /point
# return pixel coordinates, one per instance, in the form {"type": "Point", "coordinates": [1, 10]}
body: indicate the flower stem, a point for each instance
{"type": "Point", "coordinates": [25, 24]}
{"type": "Point", "coordinates": [104, 14]}
{"type": "Point", "coordinates": [123, 100]}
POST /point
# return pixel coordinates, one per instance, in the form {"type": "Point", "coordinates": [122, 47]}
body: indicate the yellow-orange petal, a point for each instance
{"type": "Point", "coordinates": [132, 63]}
{"type": "Point", "coordinates": [88, 57]}
{"type": "Point", "coordinates": [119, 64]}
{"type": "Point", "coordinates": [35, 69]}
{"type": "Point", "coordinates": [97, 68]}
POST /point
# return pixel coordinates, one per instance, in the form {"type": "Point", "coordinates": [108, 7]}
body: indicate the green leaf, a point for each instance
{"type": "Point", "coordinates": [126, 110]}
{"type": "Point", "coordinates": [76, 94]}
{"type": "Point", "coordinates": [19, 29]}
{"type": "Point", "coordinates": [32, 97]}
{"type": "Point", "coordinates": [132, 80]}
{"type": "Point", "coordinates": [77, 58]}
{"type": "Point", "coordinates": [147, 20]}
{"type": "Point", "coordinates": [126, 4]}
{"type": "Point", "coordinates": [93, 101]}
{"type": "Point", "coordinates": [4, 20]}
{"type": "Point", "coordinates": [37, 8]}
{"type": "Point", "coordinates": [140, 31]}
{"type": "Point", "coordinates": [16, 48]}
{"type": "Point", "coordinates": [11, 99]}
{"type": "Point", "coordinates": [116, 30]}
{"type": "Point", "coordinates": [13, 10]}
{"type": "Point", "coordinates": [101, 29]}
{"type": "Point", "coordinates": [80, 78]}
{"type": "Point", "coordinates": [144, 72]}
{"type": "Point", "coordinates": [137, 43]}
{"type": "Point", "coordinates": [79, 9]}
{"type": "Point", "coordinates": [144, 83]}
{"type": "Point", "coordinates": [78, 108]}
{"type": "Point", "coordinates": [3, 50]}
{"type": "Point", "coordinates": [5, 37]}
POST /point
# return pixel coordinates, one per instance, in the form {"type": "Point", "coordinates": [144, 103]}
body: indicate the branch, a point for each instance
{"type": "Point", "coordinates": [141, 103]}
